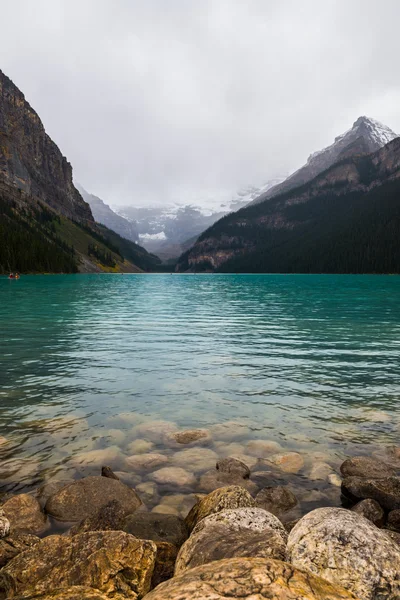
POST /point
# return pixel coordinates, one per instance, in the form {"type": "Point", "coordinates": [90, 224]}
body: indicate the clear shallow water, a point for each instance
{"type": "Point", "coordinates": [311, 362]}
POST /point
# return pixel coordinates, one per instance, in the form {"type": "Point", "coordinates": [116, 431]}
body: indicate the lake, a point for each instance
{"type": "Point", "coordinates": [96, 369]}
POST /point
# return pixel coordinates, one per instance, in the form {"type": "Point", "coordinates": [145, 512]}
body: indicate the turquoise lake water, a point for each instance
{"type": "Point", "coordinates": [89, 362]}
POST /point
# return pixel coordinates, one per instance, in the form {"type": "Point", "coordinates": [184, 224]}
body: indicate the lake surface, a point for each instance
{"type": "Point", "coordinates": [89, 362]}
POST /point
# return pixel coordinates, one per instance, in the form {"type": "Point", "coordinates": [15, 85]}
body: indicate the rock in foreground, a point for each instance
{"type": "Point", "coordinates": [157, 527]}
{"type": "Point", "coordinates": [247, 579]}
{"type": "Point", "coordinates": [346, 549]}
{"type": "Point", "coordinates": [88, 495]}
{"type": "Point", "coordinates": [223, 498]}
{"type": "Point", "coordinates": [75, 592]}
{"type": "Point", "coordinates": [364, 466]}
{"type": "Point", "coordinates": [25, 514]}
{"type": "Point", "coordinates": [113, 562]}
{"type": "Point", "coordinates": [385, 491]}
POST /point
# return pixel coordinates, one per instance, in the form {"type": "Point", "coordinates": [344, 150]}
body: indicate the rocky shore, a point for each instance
{"type": "Point", "coordinates": [237, 541]}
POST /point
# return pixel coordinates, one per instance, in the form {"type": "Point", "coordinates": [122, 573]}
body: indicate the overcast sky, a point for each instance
{"type": "Point", "coordinates": [158, 101]}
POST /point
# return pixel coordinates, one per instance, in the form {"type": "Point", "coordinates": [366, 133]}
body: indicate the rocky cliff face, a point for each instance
{"type": "Point", "coordinates": [365, 136]}
{"type": "Point", "coordinates": [303, 209]}
{"type": "Point", "coordinates": [31, 161]}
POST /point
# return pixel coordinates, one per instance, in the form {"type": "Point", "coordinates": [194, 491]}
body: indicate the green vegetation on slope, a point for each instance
{"type": "Point", "coordinates": [131, 251]}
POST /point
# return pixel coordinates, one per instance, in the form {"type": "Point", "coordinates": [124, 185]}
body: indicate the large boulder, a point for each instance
{"type": "Point", "coordinates": [157, 527]}
{"type": "Point", "coordinates": [385, 491]}
{"type": "Point", "coordinates": [233, 533]}
{"type": "Point", "coordinates": [14, 544]}
{"type": "Point", "coordinates": [371, 510]}
{"type": "Point", "coordinates": [82, 498]}
{"type": "Point", "coordinates": [248, 579]}
{"type": "Point", "coordinates": [112, 562]}
{"type": "Point", "coordinates": [226, 497]}
{"type": "Point", "coordinates": [109, 517]}
{"type": "Point", "coordinates": [165, 563]}
{"type": "Point", "coordinates": [364, 466]}
{"type": "Point", "coordinates": [348, 550]}
{"type": "Point", "coordinates": [277, 500]}
{"type": "Point", "coordinates": [25, 514]}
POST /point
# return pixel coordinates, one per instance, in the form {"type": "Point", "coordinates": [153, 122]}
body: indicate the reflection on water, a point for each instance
{"type": "Point", "coordinates": [309, 363]}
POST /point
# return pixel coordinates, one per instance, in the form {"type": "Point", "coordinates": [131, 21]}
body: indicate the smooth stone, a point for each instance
{"type": "Point", "coordinates": [232, 466]}
{"type": "Point", "coordinates": [247, 579]}
{"type": "Point", "coordinates": [320, 472]}
{"type": "Point", "coordinates": [148, 492]}
{"type": "Point", "coordinates": [289, 462]}
{"type": "Point", "coordinates": [146, 462]}
{"type": "Point", "coordinates": [277, 500]}
{"type": "Point", "coordinates": [262, 448]}
{"type": "Point", "coordinates": [213, 479]}
{"type": "Point", "coordinates": [393, 520]}
{"type": "Point", "coordinates": [190, 436]}
{"type": "Point", "coordinates": [253, 519]}
{"type": "Point", "coordinates": [262, 478]}
{"type": "Point", "coordinates": [97, 458]}
{"type": "Point", "coordinates": [195, 459]}
{"type": "Point", "coordinates": [173, 476]}
{"type": "Point", "coordinates": [113, 562]}
{"type": "Point", "coordinates": [183, 503]}
{"type": "Point", "coordinates": [130, 479]}
{"type": "Point", "coordinates": [109, 517]}
{"type": "Point", "coordinates": [74, 592]}
{"type": "Point", "coordinates": [154, 431]}
{"type": "Point", "coordinates": [220, 499]}
{"type": "Point", "coordinates": [25, 514]}
{"type": "Point", "coordinates": [385, 491]}
{"type": "Point", "coordinates": [249, 461]}
{"type": "Point", "coordinates": [348, 550]}
{"type": "Point", "coordinates": [334, 479]}
{"type": "Point", "coordinates": [48, 489]}
{"type": "Point", "coordinates": [165, 509]}
{"type": "Point", "coordinates": [117, 436]}
{"type": "Point", "coordinates": [82, 498]}
{"type": "Point", "coordinates": [165, 563]}
{"type": "Point", "coordinates": [371, 510]}
{"type": "Point", "coordinates": [12, 545]}
{"type": "Point", "coordinates": [225, 449]}
{"type": "Point", "coordinates": [363, 466]}
{"type": "Point", "coordinates": [156, 527]}
{"type": "Point", "coordinates": [230, 430]}
{"type": "Point", "coordinates": [140, 447]}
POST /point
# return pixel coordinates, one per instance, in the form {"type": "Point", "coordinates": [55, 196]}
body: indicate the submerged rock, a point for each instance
{"type": "Point", "coordinates": [156, 527]}
{"type": "Point", "coordinates": [363, 466]}
{"type": "Point", "coordinates": [173, 476]}
{"type": "Point", "coordinates": [14, 544]}
{"type": "Point", "coordinates": [277, 500]}
{"type": "Point", "coordinates": [234, 467]}
{"type": "Point", "coordinates": [148, 492]}
{"type": "Point", "coordinates": [288, 462]}
{"type": "Point", "coordinates": [213, 479]}
{"type": "Point", "coordinates": [190, 436]}
{"type": "Point", "coordinates": [195, 459]}
{"type": "Point", "coordinates": [371, 510]}
{"type": "Point", "coordinates": [113, 562]}
{"type": "Point", "coordinates": [82, 498]}
{"type": "Point", "coordinates": [386, 491]}
{"type": "Point", "coordinates": [25, 514]}
{"type": "Point", "coordinates": [347, 550]}
{"type": "Point", "coordinates": [154, 431]}
{"type": "Point", "coordinates": [247, 579]}
{"type": "Point", "coordinates": [262, 448]}
{"type": "Point", "coordinates": [140, 447]}
{"type": "Point", "coordinates": [240, 532]}
{"type": "Point", "coordinates": [146, 462]}
{"type": "Point", "coordinates": [221, 499]}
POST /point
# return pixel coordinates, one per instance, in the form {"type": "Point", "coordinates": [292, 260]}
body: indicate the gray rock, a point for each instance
{"type": "Point", "coordinates": [240, 532]}
{"type": "Point", "coordinates": [347, 550]}
{"type": "Point", "coordinates": [109, 517]}
{"type": "Point", "coordinates": [277, 500]}
{"type": "Point", "coordinates": [233, 466]}
{"type": "Point", "coordinates": [393, 520]}
{"type": "Point", "coordinates": [82, 498]}
{"type": "Point", "coordinates": [14, 544]}
{"type": "Point", "coordinates": [221, 499]}
{"type": "Point", "coordinates": [394, 536]}
{"type": "Point", "coordinates": [371, 510]}
{"type": "Point", "coordinates": [113, 562]}
{"type": "Point", "coordinates": [363, 466]}
{"type": "Point", "coordinates": [247, 579]}
{"type": "Point", "coordinates": [385, 491]}
{"type": "Point", "coordinates": [25, 514]}
{"type": "Point", "coordinates": [157, 527]}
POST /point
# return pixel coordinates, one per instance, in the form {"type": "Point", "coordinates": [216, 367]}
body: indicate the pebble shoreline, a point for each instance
{"type": "Point", "coordinates": [256, 529]}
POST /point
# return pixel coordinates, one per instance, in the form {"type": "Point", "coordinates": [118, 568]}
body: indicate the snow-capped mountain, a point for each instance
{"type": "Point", "coordinates": [169, 230]}
{"type": "Point", "coordinates": [365, 136]}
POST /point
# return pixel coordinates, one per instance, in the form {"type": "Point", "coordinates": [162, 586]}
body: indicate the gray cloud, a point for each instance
{"type": "Point", "coordinates": [165, 100]}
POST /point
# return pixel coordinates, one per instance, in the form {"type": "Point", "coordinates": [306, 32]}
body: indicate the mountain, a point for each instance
{"type": "Point", "coordinates": [367, 135]}
{"type": "Point", "coordinates": [171, 229]}
{"type": "Point", "coordinates": [106, 216]}
{"type": "Point", "coordinates": [345, 220]}
{"type": "Point", "coordinates": [45, 225]}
